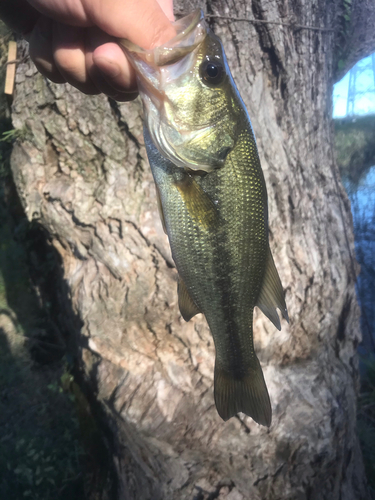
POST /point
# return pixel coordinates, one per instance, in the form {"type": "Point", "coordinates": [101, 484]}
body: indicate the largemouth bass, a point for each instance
{"type": "Point", "coordinates": [213, 203]}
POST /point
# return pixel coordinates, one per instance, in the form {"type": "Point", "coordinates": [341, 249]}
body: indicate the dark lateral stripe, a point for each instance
{"type": "Point", "coordinates": [223, 272]}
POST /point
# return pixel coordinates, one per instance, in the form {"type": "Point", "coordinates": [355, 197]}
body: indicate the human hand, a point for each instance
{"type": "Point", "coordinates": [74, 40]}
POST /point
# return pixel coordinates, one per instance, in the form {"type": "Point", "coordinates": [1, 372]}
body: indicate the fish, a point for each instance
{"type": "Point", "coordinates": [212, 200]}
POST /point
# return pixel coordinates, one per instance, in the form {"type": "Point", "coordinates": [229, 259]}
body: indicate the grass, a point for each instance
{"type": "Point", "coordinates": [41, 453]}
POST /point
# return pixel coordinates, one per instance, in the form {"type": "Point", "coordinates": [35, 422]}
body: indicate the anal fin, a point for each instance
{"type": "Point", "coordinates": [271, 295]}
{"type": "Point", "coordinates": [186, 304]}
{"type": "Point", "coordinates": [248, 394]}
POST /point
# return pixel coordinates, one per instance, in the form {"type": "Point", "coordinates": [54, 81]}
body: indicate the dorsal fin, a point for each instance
{"type": "Point", "coordinates": [186, 304]}
{"type": "Point", "coordinates": [271, 295]}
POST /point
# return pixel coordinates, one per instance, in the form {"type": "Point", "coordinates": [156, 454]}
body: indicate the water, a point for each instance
{"type": "Point", "coordinates": [363, 210]}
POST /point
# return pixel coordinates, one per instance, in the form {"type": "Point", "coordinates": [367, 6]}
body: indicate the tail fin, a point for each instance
{"type": "Point", "coordinates": [248, 394]}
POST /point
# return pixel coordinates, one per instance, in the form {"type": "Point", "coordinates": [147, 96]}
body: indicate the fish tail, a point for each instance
{"type": "Point", "coordinates": [247, 394]}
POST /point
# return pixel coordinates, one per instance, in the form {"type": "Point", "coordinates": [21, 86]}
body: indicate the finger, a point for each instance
{"type": "Point", "coordinates": [115, 67]}
{"type": "Point", "coordinates": [125, 96]}
{"type": "Point", "coordinates": [110, 76]}
{"type": "Point", "coordinates": [40, 48]}
{"type": "Point", "coordinates": [69, 56]}
{"type": "Point", "coordinates": [143, 21]}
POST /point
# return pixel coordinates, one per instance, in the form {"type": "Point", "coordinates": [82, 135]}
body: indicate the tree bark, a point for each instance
{"type": "Point", "coordinates": [81, 172]}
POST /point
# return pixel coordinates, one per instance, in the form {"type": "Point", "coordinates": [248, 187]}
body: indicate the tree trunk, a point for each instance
{"type": "Point", "coordinates": [81, 171]}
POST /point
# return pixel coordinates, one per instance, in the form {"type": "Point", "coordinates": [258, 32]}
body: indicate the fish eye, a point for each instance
{"type": "Point", "coordinates": [212, 72]}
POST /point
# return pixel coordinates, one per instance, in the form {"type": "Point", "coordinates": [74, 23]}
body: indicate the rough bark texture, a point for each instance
{"type": "Point", "coordinates": [82, 173]}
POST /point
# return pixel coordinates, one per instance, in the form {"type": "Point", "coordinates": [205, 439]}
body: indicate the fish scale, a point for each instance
{"type": "Point", "coordinates": [213, 203]}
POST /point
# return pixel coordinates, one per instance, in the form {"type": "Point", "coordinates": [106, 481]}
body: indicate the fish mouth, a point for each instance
{"type": "Point", "coordinates": [156, 69]}
{"type": "Point", "coordinates": [191, 31]}
{"type": "Point", "coordinates": [148, 64]}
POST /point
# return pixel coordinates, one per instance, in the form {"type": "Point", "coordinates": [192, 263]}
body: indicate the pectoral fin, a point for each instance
{"type": "Point", "coordinates": [199, 205]}
{"type": "Point", "coordinates": [271, 295]}
{"type": "Point", "coordinates": [186, 304]}
{"type": "Point", "coordinates": [160, 207]}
